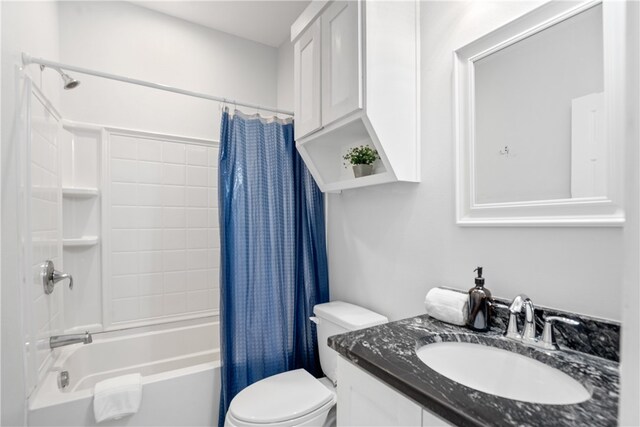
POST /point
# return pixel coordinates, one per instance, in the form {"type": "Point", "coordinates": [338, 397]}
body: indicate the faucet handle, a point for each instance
{"type": "Point", "coordinates": [548, 333]}
{"type": "Point", "coordinates": [496, 304]}
{"type": "Point", "coordinates": [50, 276]}
{"type": "Point", "coordinates": [512, 326]}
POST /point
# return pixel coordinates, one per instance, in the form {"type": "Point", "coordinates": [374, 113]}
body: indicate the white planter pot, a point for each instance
{"type": "Point", "coordinates": [362, 170]}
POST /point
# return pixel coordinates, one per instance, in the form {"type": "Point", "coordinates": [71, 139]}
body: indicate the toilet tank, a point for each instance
{"type": "Point", "coordinates": [335, 318]}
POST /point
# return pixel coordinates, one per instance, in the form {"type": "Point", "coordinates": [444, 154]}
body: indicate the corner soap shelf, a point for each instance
{"type": "Point", "coordinates": [80, 195]}
{"type": "Point", "coordinates": [80, 192]}
{"type": "Point", "coordinates": [80, 241]}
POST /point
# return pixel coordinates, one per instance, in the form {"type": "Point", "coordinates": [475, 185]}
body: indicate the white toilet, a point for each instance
{"type": "Point", "coordinates": [296, 398]}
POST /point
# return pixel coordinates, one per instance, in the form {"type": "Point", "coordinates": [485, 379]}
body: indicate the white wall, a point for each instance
{"type": "Point", "coordinates": [125, 39]}
{"type": "Point", "coordinates": [31, 27]}
{"type": "Point", "coordinates": [388, 245]}
{"type": "Point", "coordinates": [45, 316]}
{"type": "Point", "coordinates": [165, 239]}
{"type": "Point", "coordinates": [630, 346]}
{"type": "Point", "coordinates": [285, 76]}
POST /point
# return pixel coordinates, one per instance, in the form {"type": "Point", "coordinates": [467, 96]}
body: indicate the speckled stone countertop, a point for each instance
{"type": "Point", "coordinates": [388, 353]}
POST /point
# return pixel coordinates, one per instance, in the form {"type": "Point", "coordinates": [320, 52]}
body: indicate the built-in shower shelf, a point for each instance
{"type": "Point", "coordinates": [80, 192]}
{"type": "Point", "coordinates": [80, 242]}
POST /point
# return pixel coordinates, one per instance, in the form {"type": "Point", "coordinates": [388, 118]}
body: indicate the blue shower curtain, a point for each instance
{"type": "Point", "coordinates": [273, 254]}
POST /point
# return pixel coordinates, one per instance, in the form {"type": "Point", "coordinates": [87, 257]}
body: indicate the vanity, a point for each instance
{"type": "Point", "coordinates": [539, 129]}
{"type": "Point", "coordinates": [384, 380]}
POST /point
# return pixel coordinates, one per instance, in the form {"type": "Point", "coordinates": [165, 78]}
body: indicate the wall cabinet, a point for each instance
{"type": "Point", "coordinates": [363, 400]}
{"type": "Point", "coordinates": [356, 72]}
{"type": "Point", "coordinates": [307, 80]}
{"type": "Point", "coordinates": [327, 69]}
{"type": "Point", "coordinates": [341, 73]}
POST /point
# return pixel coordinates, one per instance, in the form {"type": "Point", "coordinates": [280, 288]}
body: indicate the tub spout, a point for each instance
{"type": "Point", "coordinates": [62, 340]}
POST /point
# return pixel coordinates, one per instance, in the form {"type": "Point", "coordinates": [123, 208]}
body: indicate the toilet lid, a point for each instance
{"type": "Point", "coordinates": [280, 397]}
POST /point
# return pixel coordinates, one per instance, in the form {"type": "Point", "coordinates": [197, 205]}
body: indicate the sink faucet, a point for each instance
{"type": "Point", "coordinates": [62, 340]}
{"type": "Point", "coordinates": [529, 329]}
{"type": "Point", "coordinates": [547, 340]}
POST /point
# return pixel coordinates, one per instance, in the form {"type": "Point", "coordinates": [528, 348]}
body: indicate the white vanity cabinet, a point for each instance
{"type": "Point", "coordinates": [356, 82]}
{"type": "Point", "coordinates": [363, 400]}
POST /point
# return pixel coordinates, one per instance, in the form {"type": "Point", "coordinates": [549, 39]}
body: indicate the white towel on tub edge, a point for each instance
{"type": "Point", "coordinates": [117, 397]}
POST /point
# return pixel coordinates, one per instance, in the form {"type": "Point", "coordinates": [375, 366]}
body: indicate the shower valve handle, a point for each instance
{"type": "Point", "coordinates": [50, 276]}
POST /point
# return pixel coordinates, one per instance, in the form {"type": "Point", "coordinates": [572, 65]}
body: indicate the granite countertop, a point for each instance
{"type": "Point", "coordinates": [388, 353]}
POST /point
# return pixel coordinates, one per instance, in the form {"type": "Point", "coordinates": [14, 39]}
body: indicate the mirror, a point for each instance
{"type": "Point", "coordinates": [533, 144]}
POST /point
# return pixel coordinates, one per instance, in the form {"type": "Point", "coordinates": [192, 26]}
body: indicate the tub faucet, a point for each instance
{"type": "Point", "coordinates": [62, 340]}
{"type": "Point", "coordinates": [528, 333]}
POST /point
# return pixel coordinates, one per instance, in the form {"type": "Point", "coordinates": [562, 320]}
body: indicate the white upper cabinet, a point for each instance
{"type": "Point", "coordinates": [307, 81]}
{"type": "Point", "coordinates": [341, 65]}
{"type": "Point", "coordinates": [357, 83]}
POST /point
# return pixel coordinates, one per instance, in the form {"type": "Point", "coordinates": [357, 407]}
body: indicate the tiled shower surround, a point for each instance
{"type": "Point", "coordinates": [45, 228]}
{"type": "Point", "coordinates": [164, 229]}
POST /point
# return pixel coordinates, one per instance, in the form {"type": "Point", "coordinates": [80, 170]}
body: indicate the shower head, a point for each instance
{"type": "Point", "coordinates": [69, 82]}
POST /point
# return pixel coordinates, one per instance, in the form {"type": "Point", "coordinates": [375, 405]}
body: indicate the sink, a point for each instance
{"type": "Point", "coordinates": [502, 373]}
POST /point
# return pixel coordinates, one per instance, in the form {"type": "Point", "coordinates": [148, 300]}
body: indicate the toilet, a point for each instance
{"type": "Point", "coordinates": [297, 398]}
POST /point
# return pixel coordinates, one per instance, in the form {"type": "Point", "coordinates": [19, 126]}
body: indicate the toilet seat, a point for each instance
{"type": "Point", "coordinates": [289, 398]}
{"type": "Point", "coordinates": [314, 419]}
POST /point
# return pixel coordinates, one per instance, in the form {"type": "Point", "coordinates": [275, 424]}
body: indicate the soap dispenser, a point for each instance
{"type": "Point", "coordinates": [479, 305]}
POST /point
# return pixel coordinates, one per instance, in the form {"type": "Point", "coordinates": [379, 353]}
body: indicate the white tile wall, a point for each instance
{"type": "Point", "coordinates": [46, 234]}
{"type": "Point", "coordinates": [164, 229]}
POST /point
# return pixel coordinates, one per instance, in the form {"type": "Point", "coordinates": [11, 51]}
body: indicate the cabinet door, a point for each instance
{"type": "Point", "coordinates": [307, 81]}
{"type": "Point", "coordinates": [363, 400]}
{"type": "Point", "coordinates": [341, 60]}
{"type": "Point", "coordinates": [429, 419]}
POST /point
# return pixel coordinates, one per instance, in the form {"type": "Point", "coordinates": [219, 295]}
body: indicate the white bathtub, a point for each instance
{"type": "Point", "coordinates": [180, 371]}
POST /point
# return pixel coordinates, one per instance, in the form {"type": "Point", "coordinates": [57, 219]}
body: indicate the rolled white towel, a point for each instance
{"type": "Point", "coordinates": [447, 305]}
{"type": "Point", "coordinates": [117, 397]}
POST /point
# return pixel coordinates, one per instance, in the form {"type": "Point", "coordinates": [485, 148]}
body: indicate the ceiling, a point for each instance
{"type": "Point", "coordinates": [266, 21]}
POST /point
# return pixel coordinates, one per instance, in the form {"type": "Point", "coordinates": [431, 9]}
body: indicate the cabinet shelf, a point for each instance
{"type": "Point", "coordinates": [354, 95]}
{"type": "Point", "coordinates": [346, 184]}
{"type": "Point", "coordinates": [80, 192]}
{"type": "Point", "coordinates": [83, 241]}
{"type": "Point", "coordinates": [323, 153]}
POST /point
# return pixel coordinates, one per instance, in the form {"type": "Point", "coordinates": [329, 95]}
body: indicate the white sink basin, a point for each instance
{"type": "Point", "coordinates": [502, 373]}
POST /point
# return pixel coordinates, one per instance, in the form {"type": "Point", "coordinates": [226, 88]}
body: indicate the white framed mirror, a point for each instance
{"type": "Point", "coordinates": [539, 113]}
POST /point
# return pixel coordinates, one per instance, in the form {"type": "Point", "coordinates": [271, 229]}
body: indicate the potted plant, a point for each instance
{"type": "Point", "coordinates": [362, 159]}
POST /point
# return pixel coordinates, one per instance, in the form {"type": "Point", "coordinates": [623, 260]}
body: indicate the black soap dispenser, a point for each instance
{"type": "Point", "coordinates": [479, 305]}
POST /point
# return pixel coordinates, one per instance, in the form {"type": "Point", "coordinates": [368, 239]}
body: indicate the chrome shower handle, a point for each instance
{"type": "Point", "coordinates": [58, 276]}
{"type": "Point", "coordinates": [50, 276]}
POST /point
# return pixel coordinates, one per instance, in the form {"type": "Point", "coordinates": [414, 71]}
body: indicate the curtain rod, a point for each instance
{"type": "Point", "coordinates": [27, 59]}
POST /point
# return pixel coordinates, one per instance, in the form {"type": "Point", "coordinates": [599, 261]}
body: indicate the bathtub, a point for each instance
{"type": "Point", "coordinates": [180, 370]}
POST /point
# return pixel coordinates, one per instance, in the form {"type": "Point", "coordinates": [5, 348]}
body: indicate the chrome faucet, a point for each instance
{"type": "Point", "coordinates": [62, 340]}
{"type": "Point", "coordinates": [547, 340]}
{"type": "Point", "coordinates": [528, 333]}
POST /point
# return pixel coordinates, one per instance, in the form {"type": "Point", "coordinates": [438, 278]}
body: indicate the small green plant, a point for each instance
{"type": "Point", "coordinates": [362, 155]}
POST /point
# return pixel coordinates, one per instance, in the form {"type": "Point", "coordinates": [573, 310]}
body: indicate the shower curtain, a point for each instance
{"type": "Point", "coordinates": [273, 254]}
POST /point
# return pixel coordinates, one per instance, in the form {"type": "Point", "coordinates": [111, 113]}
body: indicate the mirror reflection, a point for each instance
{"type": "Point", "coordinates": [539, 115]}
